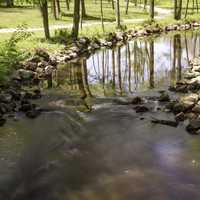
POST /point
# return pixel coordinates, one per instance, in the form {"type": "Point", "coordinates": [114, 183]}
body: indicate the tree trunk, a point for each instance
{"type": "Point", "coordinates": [127, 5]}
{"type": "Point", "coordinates": [54, 9]}
{"type": "Point", "coordinates": [83, 10]}
{"type": "Point", "coordinates": [102, 21]}
{"type": "Point", "coordinates": [76, 19]}
{"type": "Point", "coordinates": [58, 6]}
{"type": "Point", "coordinates": [44, 12]}
{"type": "Point", "coordinates": [67, 4]}
{"type": "Point", "coordinates": [9, 3]}
{"type": "Point", "coordinates": [118, 14]}
{"type": "Point", "coordinates": [152, 9]}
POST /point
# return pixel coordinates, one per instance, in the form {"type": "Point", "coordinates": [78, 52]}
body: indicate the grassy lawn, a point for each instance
{"type": "Point", "coordinates": [31, 16]}
{"type": "Point", "coordinates": [12, 17]}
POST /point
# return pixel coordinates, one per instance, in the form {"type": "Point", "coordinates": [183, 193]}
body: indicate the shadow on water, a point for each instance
{"type": "Point", "coordinates": [55, 159]}
{"type": "Point", "coordinates": [110, 154]}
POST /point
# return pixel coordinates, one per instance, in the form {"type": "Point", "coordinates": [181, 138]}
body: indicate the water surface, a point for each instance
{"type": "Point", "coordinates": [107, 152]}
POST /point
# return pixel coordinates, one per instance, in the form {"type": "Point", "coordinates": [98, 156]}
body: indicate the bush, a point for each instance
{"type": "Point", "coordinates": [10, 55]}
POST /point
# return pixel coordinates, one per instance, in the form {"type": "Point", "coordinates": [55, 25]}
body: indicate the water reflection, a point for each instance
{"type": "Point", "coordinates": [139, 65]}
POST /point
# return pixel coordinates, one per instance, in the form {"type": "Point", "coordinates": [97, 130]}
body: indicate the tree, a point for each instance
{"type": "Point", "coordinates": [102, 21]}
{"type": "Point", "coordinates": [151, 9]}
{"type": "Point", "coordinates": [117, 9]}
{"type": "Point", "coordinates": [76, 19]}
{"type": "Point", "coordinates": [177, 9]}
{"type": "Point", "coordinates": [44, 11]}
{"type": "Point", "coordinates": [83, 10]}
{"type": "Point", "coordinates": [9, 3]}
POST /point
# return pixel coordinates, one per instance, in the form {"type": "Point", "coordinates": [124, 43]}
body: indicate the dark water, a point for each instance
{"type": "Point", "coordinates": [107, 153]}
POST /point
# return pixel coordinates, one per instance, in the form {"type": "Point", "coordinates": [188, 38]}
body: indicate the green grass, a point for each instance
{"type": "Point", "coordinates": [12, 17]}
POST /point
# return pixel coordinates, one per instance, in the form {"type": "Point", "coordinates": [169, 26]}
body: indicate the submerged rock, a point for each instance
{"type": "Point", "coordinates": [164, 97]}
{"type": "Point", "coordinates": [2, 120]}
{"type": "Point", "coordinates": [141, 109]}
{"type": "Point", "coordinates": [33, 113]}
{"type": "Point", "coordinates": [193, 127]}
{"type": "Point", "coordinates": [165, 122]}
{"type": "Point", "coordinates": [136, 100]}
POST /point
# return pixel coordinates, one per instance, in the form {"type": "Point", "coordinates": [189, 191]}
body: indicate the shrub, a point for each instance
{"type": "Point", "coordinates": [10, 55]}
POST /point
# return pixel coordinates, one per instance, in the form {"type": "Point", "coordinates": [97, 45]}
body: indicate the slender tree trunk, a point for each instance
{"type": "Point", "coordinates": [44, 12]}
{"type": "Point", "coordinates": [54, 9]}
{"type": "Point", "coordinates": [145, 4]}
{"type": "Point", "coordinates": [186, 9]}
{"type": "Point", "coordinates": [175, 9]}
{"type": "Point", "coordinates": [102, 21]}
{"type": "Point", "coordinates": [67, 4]}
{"type": "Point", "coordinates": [76, 19]}
{"type": "Point", "coordinates": [58, 6]}
{"type": "Point", "coordinates": [118, 14]}
{"type": "Point", "coordinates": [9, 3]}
{"type": "Point", "coordinates": [83, 10]}
{"type": "Point", "coordinates": [113, 4]}
{"type": "Point", "coordinates": [152, 9]}
{"type": "Point", "coordinates": [127, 5]}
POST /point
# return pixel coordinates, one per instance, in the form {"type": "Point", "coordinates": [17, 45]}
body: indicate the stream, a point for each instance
{"type": "Point", "coordinates": [87, 146]}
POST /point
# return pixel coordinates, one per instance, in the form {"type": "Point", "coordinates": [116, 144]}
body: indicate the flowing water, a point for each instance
{"type": "Point", "coordinates": [88, 147]}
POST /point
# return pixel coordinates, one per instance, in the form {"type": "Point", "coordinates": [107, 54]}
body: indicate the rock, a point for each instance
{"type": "Point", "coordinates": [84, 41]}
{"type": "Point", "coordinates": [25, 107]}
{"type": "Point", "coordinates": [193, 126]}
{"type": "Point", "coordinates": [121, 101]}
{"type": "Point", "coordinates": [178, 107]}
{"type": "Point", "coordinates": [15, 94]}
{"type": "Point", "coordinates": [7, 107]}
{"type": "Point", "coordinates": [5, 98]}
{"type": "Point", "coordinates": [140, 109]}
{"type": "Point", "coordinates": [195, 81]}
{"type": "Point", "coordinates": [180, 117]}
{"type": "Point", "coordinates": [188, 105]}
{"type": "Point", "coordinates": [170, 105]}
{"type": "Point", "coordinates": [190, 75]}
{"type": "Point", "coordinates": [35, 59]}
{"type": "Point", "coordinates": [33, 113]}
{"type": "Point", "coordinates": [136, 100]}
{"type": "Point", "coordinates": [2, 120]}
{"type": "Point", "coordinates": [42, 53]}
{"type": "Point", "coordinates": [191, 115]}
{"type": "Point", "coordinates": [190, 98]}
{"type": "Point", "coordinates": [49, 70]}
{"type": "Point", "coordinates": [195, 24]}
{"type": "Point", "coordinates": [196, 109]}
{"type": "Point", "coordinates": [28, 95]}
{"type": "Point", "coordinates": [164, 97]}
{"type": "Point", "coordinates": [196, 68]}
{"type": "Point", "coordinates": [181, 88]}
{"type": "Point", "coordinates": [53, 61]}
{"type": "Point", "coordinates": [165, 122]}
{"type": "Point", "coordinates": [30, 66]}
{"type": "Point", "coordinates": [43, 64]}
{"type": "Point", "coordinates": [26, 74]}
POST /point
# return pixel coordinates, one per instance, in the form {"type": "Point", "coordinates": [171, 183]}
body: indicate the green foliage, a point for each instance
{"type": "Point", "coordinates": [63, 35]}
{"type": "Point", "coordinates": [10, 56]}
